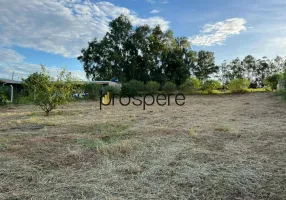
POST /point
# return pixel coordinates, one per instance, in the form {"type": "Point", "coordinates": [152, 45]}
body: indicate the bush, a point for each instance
{"type": "Point", "coordinates": [191, 84]}
{"type": "Point", "coordinates": [152, 87]}
{"type": "Point", "coordinates": [112, 90]}
{"type": "Point", "coordinates": [239, 85]}
{"type": "Point", "coordinates": [211, 85]}
{"type": "Point", "coordinates": [272, 81]}
{"type": "Point", "coordinates": [282, 86]}
{"type": "Point", "coordinates": [4, 93]}
{"type": "Point", "coordinates": [129, 90]}
{"type": "Point", "coordinates": [169, 87]}
{"type": "Point", "coordinates": [93, 90]}
{"type": "Point", "coordinates": [137, 85]}
{"type": "Point", "coordinates": [48, 93]}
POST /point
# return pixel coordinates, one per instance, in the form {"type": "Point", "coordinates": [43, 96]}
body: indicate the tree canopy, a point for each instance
{"type": "Point", "coordinates": [149, 54]}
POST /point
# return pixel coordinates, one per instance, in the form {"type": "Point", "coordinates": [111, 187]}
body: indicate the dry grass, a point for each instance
{"type": "Point", "coordinates": [215, 147]}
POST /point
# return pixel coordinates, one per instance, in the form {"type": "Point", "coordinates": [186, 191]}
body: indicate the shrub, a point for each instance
{"type": "Point", "coordinates": [239, 85]}
{"type": "Point", "coordinates": [272, 81]}
{"type": "Point", "coordinates": [112, 90]}
{"type": "Point", "coordinates": [48, 93]}
{"type": "Point", "coordinates": [152, 87]}
{"type": "Point", "coordinates": [282, 86]}
{"type": "Point", "coordinates": [128, 89]}
{"type": "Point", "coordinates": [93, 90]}
{"type": "Point", "coordinates": [137, 85]}
{"type": "Point", "coordinates": [4, 93]}
{"type": "Point", "coordinates": [191, 84]}
{"type": "Point", "coordinates": [169, 87]}
{"type": "Point", "coordinates": [210, 85]}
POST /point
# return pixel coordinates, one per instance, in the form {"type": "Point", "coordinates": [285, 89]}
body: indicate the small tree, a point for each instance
{"type": "Point", "coordinates": [47, 92]}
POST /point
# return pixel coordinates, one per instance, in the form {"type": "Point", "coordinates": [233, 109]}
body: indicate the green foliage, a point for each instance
{"type": "Point", "coordinates": [140, 53]}
{"type": "Point", "coordinates": [204, 65]}
{"type": "Point", "coordinates": [138, 85]}
{"type": "Point", "coordinates": [128, 90]}
{"type": "Point", "coordinates": [169, 87]}
{"type": "Point", "coordinates": [22, 99]}
{"type": "Point", "coordinates": [152, 87]}
{"type": "Point", "coordinates": [93, 90]}
{"type": "Point", "coordinates": [256, 70]}
{"type": "Point", "coordinates": [272, 81]}
{"type": "Point", "coordinates": [112, 90]}
{"type": "Point", "coordinates": [4, 93]}
{"type": "Point", "coordinates": [190, 84]}
{"type": "Point", "coordinates": [239, 85]}
{"type": "Point", "coordinates": [282, 86]}
{"type": "Point", "coordinates": [47, 92]}
{"type": "Point", "coordinates": [210, 85]}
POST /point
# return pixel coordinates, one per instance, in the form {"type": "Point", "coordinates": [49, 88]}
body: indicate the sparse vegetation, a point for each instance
{"type": "Point", "coordinates": [80, 153]}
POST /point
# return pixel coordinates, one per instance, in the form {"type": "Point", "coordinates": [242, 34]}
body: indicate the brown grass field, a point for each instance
{"type": "Point", "coordinates": [214, 147]}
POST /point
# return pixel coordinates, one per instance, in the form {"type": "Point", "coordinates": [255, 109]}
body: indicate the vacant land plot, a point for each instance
{"type": "Point", "coordinates": [214, 147]}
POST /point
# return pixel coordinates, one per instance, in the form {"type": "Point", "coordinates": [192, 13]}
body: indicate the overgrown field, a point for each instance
{"type": "Point", "coordinates": [214, 147]}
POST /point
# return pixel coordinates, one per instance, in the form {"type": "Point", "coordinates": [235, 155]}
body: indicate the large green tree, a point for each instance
{"type": "Point", "coordinates": [139, 53]}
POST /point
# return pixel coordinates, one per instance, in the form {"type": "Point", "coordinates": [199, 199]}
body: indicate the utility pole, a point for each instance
{"type": "Point", "coordinates": [13, 76]}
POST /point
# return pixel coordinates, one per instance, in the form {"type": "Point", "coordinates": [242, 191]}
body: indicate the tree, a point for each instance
{"type": "Point", "coordinates": [47, 92]}
{"type": "Point", "coordinates": [108, 58]}
{"type": "Point", "coordinates": [205, 65]}
{"type": "Point", "coordinates": [140, 53]}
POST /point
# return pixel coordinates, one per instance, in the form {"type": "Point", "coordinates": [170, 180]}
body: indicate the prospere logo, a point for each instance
{"type": "Point", "coordinates": [145, 100]}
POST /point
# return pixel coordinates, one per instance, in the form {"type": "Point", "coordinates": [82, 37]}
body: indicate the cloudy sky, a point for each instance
{"type": "Point", "coordinates": [52, 32]}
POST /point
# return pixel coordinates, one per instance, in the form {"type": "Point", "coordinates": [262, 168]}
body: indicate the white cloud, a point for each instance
{"type": "Point", "coordinates": [216, 34]}
{"type": "Point", "coordinates": [61, 26]}
{"type": "Point", "coordinates": [8, 55]}
{"type": "Point", "coordinates": [155, 11]}
{"type": "Point", "coordinates": [11, 61]}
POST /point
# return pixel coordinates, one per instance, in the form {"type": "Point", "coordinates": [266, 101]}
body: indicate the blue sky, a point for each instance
{"type": "Point", "coordinates": [52, 32]}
